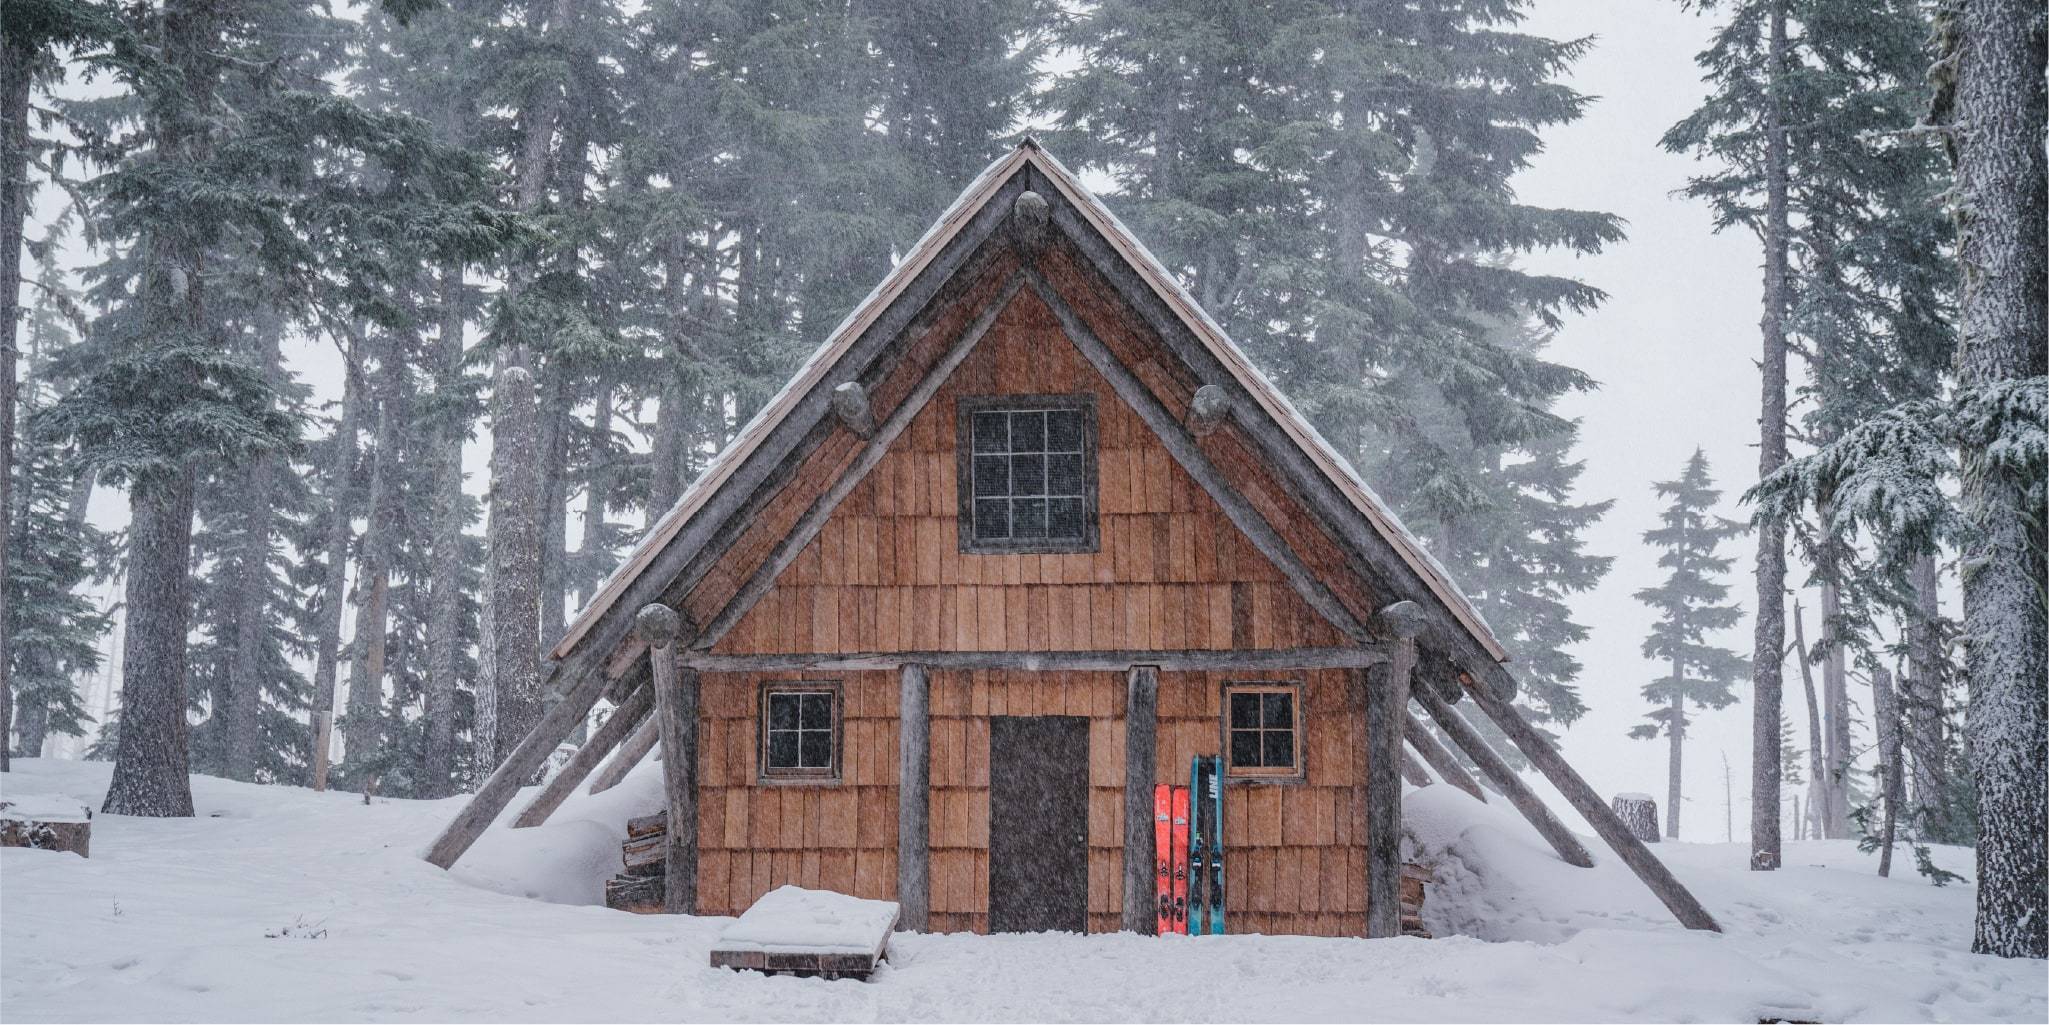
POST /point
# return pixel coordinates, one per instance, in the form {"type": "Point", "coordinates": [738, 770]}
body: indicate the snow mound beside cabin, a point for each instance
{"type": "Point", "coordinates": [280, 904]}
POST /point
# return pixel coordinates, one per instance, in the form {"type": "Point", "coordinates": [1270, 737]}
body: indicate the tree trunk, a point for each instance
{"type": "Point", "coordinates": [334, 587]}
{"type": "Point", "coordinates": [152, 761]}
{"type": "Point", "coordinates": [1885, 709]}
{"type": "Point", "coordinates": [363, 730]}
{"type": "Point", "coordinates": [553, 499]}
{"type": "Point", "coordinates": [244, 713]}
{"type": "Point", "coordinates": [598, 477]}
{"type": "Point", "coordinates": [14, 94]}
{"type": "Point", "coordinates": [1838, 756]}
{"type": "Point", "coordinates": [444, 598]}
{"type": "Point", "coordinates": [515, 545]}
{"type": "Point", "coordinates": [1999, 125]}
{"type": "Point", "coordinates": [1921, 701]}
{"type": "Point", "coordinates": [1817, 778]}
{"type": "Point", "coordinates": [1676, 730]}
{"type": "Point", "coordinates": [1768, 650]}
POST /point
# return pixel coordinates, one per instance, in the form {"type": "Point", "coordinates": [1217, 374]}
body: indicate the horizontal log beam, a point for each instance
{"type": "Point", "coordinates": [1186, 660]}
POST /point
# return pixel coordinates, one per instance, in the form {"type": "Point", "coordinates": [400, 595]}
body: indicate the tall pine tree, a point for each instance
{"type": "Point", "coordinates": [1690, 607]}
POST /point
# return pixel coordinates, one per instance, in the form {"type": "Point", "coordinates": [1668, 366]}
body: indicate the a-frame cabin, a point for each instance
{"type": "Point", "coordinates": [1025, 535]}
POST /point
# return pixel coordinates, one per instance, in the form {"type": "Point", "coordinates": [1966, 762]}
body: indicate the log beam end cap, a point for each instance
{"type": "Point", "coordinates": [657, 625]}
{"type": "Point", "coordinates": [1403, 619]}
{"type": "Point", "coordinates": [1208, 409]}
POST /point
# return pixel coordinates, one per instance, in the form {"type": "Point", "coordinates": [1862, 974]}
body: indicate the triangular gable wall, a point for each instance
{"type": "Point", "coordinates": [885, 572]}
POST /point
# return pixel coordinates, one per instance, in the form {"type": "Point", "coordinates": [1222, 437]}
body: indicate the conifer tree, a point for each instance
{"type": "Point", "coordinates": [1689, 605]}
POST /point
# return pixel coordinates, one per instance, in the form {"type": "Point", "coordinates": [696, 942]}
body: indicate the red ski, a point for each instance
{"type": "Point", "coordinates": [1181, 860]}
{"type": "Point", "coordinates": [1163, 855]}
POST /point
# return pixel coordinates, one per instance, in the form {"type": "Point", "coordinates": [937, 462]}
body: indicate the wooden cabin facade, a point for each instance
{"type": "Point", "coordinates": [1026, 535]}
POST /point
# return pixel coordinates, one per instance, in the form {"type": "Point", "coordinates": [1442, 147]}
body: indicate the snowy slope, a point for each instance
{"type": "Point", "coordinates": [279, 904]}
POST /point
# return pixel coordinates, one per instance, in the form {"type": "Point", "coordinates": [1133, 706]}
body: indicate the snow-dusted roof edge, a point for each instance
{"type": "Point", "coordinates": [1206, 330]}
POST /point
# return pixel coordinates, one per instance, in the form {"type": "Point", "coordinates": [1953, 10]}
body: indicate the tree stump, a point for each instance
{"type": "Point", "coordinates": [1640, 813]}
{"type": "Point", "coordinates": [47, 824]}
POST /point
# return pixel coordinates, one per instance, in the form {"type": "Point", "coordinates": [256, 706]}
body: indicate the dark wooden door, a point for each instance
{"type": "Point", "coordinates": [1038, 823]}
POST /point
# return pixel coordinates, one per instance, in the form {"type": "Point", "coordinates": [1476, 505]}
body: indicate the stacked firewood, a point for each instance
{"type": "Point", "coordinates": [640, 888]}
{"type": "Point", "coordinates": [1413, 878]}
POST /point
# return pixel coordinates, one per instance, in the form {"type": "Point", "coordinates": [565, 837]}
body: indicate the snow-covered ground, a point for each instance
{"type": "Point", "coordinates": [279, 904]}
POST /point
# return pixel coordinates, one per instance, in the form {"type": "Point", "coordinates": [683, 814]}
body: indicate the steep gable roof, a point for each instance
{"type": "Point", "coordinates": [1081, 213]}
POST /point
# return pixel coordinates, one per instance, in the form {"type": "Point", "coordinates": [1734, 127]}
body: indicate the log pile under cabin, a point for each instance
{"type": "Point", "coordinates": [1026, 535]}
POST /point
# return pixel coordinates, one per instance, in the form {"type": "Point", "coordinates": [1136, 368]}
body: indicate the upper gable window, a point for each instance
{"type": "Point", "coordinates": [1028, 473]}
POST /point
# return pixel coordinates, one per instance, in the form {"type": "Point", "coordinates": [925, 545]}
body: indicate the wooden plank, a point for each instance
{"type": "Point", "coordinates": [676, 719]}
{"type": "Point", "coordinates": [519, 766]}
{"type": "Point", "coordinates": [814, 518]}
{"type": "Point", "coordinates": [1141, 725]}
{"type": "Point", "coordinates": [628, 716]}
{"type": "Point", "coordinates": [1172, 660]}
{"type": "Point", "coordinates": [914, 796]}
{"type": "Point", "coordinates": [1446, 766]}
{"type": "Point", "coordinates": [1503, 778]}
{"type": "Point", "coordinates": [1589, 804]}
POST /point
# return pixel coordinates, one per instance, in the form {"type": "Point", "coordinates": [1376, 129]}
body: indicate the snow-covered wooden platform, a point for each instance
{"type": "Point", "coordinates": [792, 930]}
{"type": "Point", "coordinates": [46, 823]}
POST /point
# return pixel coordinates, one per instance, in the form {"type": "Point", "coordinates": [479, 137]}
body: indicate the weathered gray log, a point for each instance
{"type": "Point", "coordinates": [1178, 443]}
{"type": "Point", "coordinates": [1503, 778]}
{"type": "Point", "coordinates": [601, 742]}
{"type": "Point", "coordinates": [1207, 410]}
{"type": "Point", "coordinates": [1885, 708]}
{"type": "Point", "coordinates": [1029, 221]}
{"type": "Point", "coordinates": [850, 404]}
{"type": "Point", "coordinates": [525, 759]}
{"type": "Point", "coordinates": [1597, 813]}
{"type": "Point", "coordinates": [807, 527]}
{"type": "Point", "coordinates": [1387, 701]}
{"type": "Point", "coordinates": [914, 800]}
{"type": "Point", "coordinates": [676, 719]}
{"type": "Point", "coordinates": [1413, 771]}
{"type": "Point", "coordinates": [1141, 749]}
{"type": "Point", "coordinates": [1179, 660]}
{"type": "Point", "coordinates": [1639, 812]}
{"type": "Point", "coordinates": [1443, 762]}
{"type": "Point", "coordinates": [645, 737]}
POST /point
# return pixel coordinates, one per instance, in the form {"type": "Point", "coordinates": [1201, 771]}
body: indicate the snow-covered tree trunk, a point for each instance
{"type": "Point", "coordinates": [552, 426]}
{"type": "Point", "coordinates": [1921, 705]}
{"type": "Point", "coordinates": [334, 584]}
{"type": "Point", "coordinates": [1998, 124]}
{"type": "Point", "coordinates": [1768, 650]}
{"type": "Point", "coordinates": [514, 537]}
{"type": "Point", "coordinates": [450, 517]}
{"type": "Point", "coordinates": [363, 729]}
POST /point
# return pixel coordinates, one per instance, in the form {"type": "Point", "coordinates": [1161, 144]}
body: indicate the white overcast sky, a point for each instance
{"type": "Point", "coordinates": [1674, 349]}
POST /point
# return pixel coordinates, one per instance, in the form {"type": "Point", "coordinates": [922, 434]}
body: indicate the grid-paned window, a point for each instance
{"type": "Point", "coordinates": [1028, 474]}
{"type": "Point", "coordinates": [800, 735]}
{"type": "Point", "coordinates": [1262, 728]}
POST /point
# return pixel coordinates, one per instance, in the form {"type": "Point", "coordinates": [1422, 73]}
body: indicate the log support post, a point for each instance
{"type": "Point", "coordinates": [1447, 767]}
{"type": "Point", "coordinates": [1548, 761]}
{"type": "Point", "coordinates": [676, 721]}
{"type": "Point", "coordinates": [1502, 778]}
{"type": "Point", "coordinates": [1141, 751]}
{"type": "Point", "coordinates": [914, 801]}
{"type": "Point", "coordinates": [631, 751]}
{"type": "Point", "coordinates": [1387, 700]}
{"type": "Point", "coordinates": [1413, 771]}
{"type": "Point", "coordinates": [622, 720]}
{"type": "Point", "coordinates": [519, 767]}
